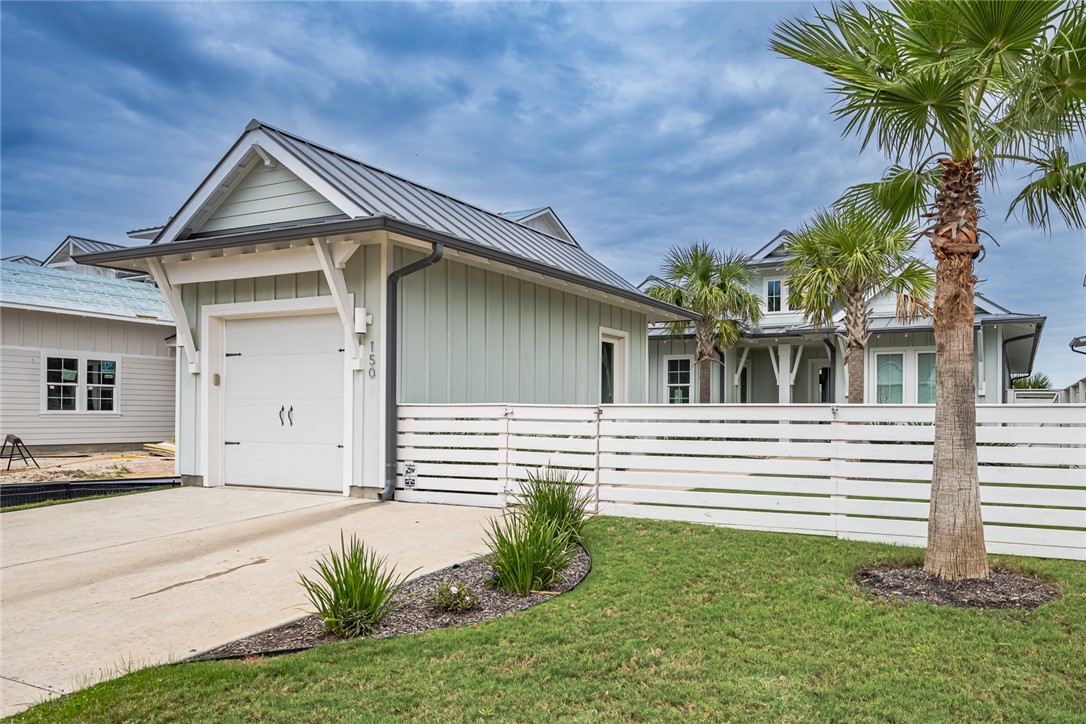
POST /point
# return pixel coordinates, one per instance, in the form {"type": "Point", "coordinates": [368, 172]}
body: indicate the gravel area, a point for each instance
{"type": "Point", "coordinates": [416, 616]}
{"type": "Point", "coordinates": [1000, 590]}
{"type": "Point", "coordinates": [89, 466]}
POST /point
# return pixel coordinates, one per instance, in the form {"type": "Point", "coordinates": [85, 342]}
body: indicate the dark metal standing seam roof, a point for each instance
{"type": "Point", "coordinates": [380, 193]}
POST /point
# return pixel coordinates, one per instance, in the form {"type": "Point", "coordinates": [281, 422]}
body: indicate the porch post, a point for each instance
{"type": "Point", "coordinates": [784, 376]}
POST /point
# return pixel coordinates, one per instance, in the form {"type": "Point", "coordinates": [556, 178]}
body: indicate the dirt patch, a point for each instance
{"type": "Point", "coordinates": [1000, 590]}
{"type": "Point", "coordinates": [90, 466]}
{"type": "Point", "coordinates": [415, 617]}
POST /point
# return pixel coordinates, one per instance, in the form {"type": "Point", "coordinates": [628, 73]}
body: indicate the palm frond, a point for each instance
{"type": "Point", "coordinates": [901, 194]}
{"type": "Point", "coordinates": [1057, 185]}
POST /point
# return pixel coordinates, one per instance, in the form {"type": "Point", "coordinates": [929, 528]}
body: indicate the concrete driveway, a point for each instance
{"type": "Point", "coordinates": [93, 589]}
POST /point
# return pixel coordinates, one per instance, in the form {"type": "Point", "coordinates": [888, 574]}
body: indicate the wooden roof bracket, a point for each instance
{"type": "Point", "coordinates": [172, 297]}
{"type": "Point", "coordinates": [344, 301]}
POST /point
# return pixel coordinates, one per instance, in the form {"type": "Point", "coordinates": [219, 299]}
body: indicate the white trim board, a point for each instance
{"type": "Point", "coordinates": [212, 353]}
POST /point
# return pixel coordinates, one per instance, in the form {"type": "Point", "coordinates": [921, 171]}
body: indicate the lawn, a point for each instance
{"type": "Point", "coordinates": [676, 621]}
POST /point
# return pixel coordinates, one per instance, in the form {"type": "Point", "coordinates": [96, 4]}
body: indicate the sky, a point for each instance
{"type": "Point", "coordinates": [644, 125]}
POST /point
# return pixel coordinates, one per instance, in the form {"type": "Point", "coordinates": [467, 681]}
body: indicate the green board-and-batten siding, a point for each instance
{"type": "Point", "coordinates": [472, 335]}
{"type": "Point", "coordinates": [269, 196]}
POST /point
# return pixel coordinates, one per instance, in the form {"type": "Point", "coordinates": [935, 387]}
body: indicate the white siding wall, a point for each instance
{"type": "Point", "coordinates": [146, 378]}
{"type": "Point", "coordinates": [269, 196]}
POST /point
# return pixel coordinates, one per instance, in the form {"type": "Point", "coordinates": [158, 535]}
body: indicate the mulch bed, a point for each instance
{"type": "Point", "coordinates": [1000, 590]}
{"type": "Point", "coordinates": [415, 617]}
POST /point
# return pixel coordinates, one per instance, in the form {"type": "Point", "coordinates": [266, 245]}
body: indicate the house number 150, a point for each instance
{"type": "Point", "coordinates": [373, 362]}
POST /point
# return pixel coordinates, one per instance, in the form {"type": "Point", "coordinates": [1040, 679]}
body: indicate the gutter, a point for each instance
{"type": "Point", "coordinates": [1077, 343]}
{"type": "Point", "coordinates": [374, 223]}
{"type": "Point", "coordinates": [1033, 355]}
{"type": "Point", "coordinates": [391, 399]}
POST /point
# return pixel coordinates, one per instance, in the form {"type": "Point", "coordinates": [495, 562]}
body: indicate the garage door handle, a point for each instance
{"type": "Point", "coordinates": [281, 409]}
{"type": "Point", "coordinates": [290, 415]}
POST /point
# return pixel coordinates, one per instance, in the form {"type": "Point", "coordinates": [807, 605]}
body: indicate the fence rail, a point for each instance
{"type": "Point", "coordinates": [861, 472]}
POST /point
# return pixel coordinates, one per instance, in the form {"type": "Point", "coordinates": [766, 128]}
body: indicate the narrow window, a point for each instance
{"type": "Point", "coordinates": [101, 382]}
{"type": "Point", "coordinates": [607, 372]}
{"type": "Point", "coordinates": [61, 383]}
{"type": "Point", "coordinates": [773, 295]}
{"type": "Point", "coordinates": [889, 378]}
{"type": "Point", "coordinates": [925, 378]}
{"type": "Point", "coordinates": [678, 381]}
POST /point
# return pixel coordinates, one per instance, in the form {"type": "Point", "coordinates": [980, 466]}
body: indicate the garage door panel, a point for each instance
{"type": "Point", "coordinates": [301, 465]}
{"type": "Point", "coordinates": [292, 366]}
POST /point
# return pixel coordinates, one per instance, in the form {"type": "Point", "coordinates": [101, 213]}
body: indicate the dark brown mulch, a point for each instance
{"type": "Point", "coordinates": [415, 617]}
{"type": "Point", "coordinates": [1000, 590]}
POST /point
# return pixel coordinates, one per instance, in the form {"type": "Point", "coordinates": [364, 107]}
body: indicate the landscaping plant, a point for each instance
{"type": "Point", "coordinates": [552, 494]}
{"type": "Point", "coordinates": [527, 554]}
{"type": "Point", "coordinates": [453, 596]}
{"type": "Point", "coordinates": [353, 592]}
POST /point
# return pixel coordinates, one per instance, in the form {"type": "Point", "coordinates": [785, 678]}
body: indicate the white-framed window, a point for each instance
{"type": "Point", "coordinates": [925, 378]}
{"type": "Point", "coordinates": [901, 376]}
{"type": "Point", "coordinates": [75, 382]}
{"type": "Point", "coordinates": [614, 366]}
{"type": "Point", "coordinates": [678, 379]}
{"type": "Point", "coordinates": [776, 295]}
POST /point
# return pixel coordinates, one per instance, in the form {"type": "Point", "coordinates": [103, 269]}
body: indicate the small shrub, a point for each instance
{"type": "Point", "coordinates": [527, 554]}
{"type": "Point", "coordinates": [454, 597]}
{"type": "Point", "coordinates": [556, 495]}
{"type": "Point", "coordinates": [353, 592]}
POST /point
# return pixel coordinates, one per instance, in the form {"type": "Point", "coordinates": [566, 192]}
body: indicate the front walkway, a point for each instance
{"type": "Point", "coordinates": [93, 589]}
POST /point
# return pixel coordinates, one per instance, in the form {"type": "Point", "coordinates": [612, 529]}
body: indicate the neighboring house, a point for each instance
{"type": "Point", "coordinates": [63, 257]}
{"type": "Point", "coordinates": [22, 259]}
{"type": "Point", "coordinates": [784, 359]}
{"type": "Point", "coordinates": [283, 268]}
{"type": "Point", "coordinates": [83, 358]}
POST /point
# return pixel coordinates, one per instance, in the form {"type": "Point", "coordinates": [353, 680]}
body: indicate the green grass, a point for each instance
{"type": "Point", "coordinates": [62, 501]}
{"type": "Point", "coordinates": [676, 621]}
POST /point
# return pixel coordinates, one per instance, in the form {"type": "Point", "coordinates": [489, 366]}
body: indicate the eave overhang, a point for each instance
{"type": "Point", "coordinates": [134, 258]}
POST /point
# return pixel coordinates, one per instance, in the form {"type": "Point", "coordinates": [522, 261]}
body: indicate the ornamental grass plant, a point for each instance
{"type": "Point", "coordinates": [527, 554]}
{"type": "Point", "coordinates": [353, 591]}
{"type": "Point", "coordinates": [554, 494]}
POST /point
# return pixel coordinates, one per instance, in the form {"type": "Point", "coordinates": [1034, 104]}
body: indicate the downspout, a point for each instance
{"type": "Point", "coordinates": [1003, 393]}
{"type": "Point", "coordinates": [391, 405]}
{"type": "Point", "coordinates": [827, 339]}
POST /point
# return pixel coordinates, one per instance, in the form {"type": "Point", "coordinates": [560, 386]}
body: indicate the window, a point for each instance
{"type": "Point", "coordinates": [607, 373]}
{"type": "Point", "coordinates": [80, 384]}
{"type": "Point", "coordinates": [925, 378]}
{"type": "Point", "coordinates": [101, 379]}
{"type": "Point", "coordinates": [774, 297]}
{"type": "Point", "coordinates": [61, 383]}
{"type": "Point", "coordinates": [613, 360]}
{"type": "Point", "coordinates": [889, 378]}
{"type": "Point", "coordinates": [677, 380]}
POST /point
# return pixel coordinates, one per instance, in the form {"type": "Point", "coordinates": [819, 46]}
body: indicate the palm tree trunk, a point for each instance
{"type": "Point", "coordinates": [955, 529]}
{"type": "Point", "coordinates": [855, 374]}
{"type": "Point", "coordinates": [857, 324]}
{"type": "Point", "coordinates": [705, 369]}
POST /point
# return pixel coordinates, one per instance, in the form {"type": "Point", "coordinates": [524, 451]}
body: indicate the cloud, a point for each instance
{"type": "Point", "coordinates": [643, 124]}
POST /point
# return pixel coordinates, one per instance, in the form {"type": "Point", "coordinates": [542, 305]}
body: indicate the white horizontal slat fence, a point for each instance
{"type": "Point", "coordinates": [861, 472]}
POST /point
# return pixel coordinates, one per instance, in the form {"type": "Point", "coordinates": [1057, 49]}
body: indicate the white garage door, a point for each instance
{"type": "Point", "coordinates": [283, 393]}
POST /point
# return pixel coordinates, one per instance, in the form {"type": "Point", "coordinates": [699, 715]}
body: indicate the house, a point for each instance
{"type": "Point", "coordinates": [22, 259]}
{"type": "Point", "coordinates": [786, 360]}
{"type": "Point", "coordinates": [315, 292]}
{"type": "Point", "coordinates": [83, 358]}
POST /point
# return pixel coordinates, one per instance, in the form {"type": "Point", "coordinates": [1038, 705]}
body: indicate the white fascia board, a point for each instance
{"type": "Point", "coordinates": [233, 167]}
{"type": "Point", "coordinates": [92, 315]}
{"type": "Point", "coordinates": [255, 264]}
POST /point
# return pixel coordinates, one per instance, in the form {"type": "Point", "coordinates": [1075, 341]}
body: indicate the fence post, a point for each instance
{"type": "Point", "coordinates": [598, 412]}
{"type": "Point", "coordinates": [835, 462]}
{"type": "Point", "coordinates": [503, 444]}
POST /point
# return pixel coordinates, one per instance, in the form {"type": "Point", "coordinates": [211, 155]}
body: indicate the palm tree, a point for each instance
{"type": "Point", "coordinates": [845, 258]}
{"type": "Point", "coordinates": [718, 287]}
{"type": "Point", "coordinates": [960, 92]}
